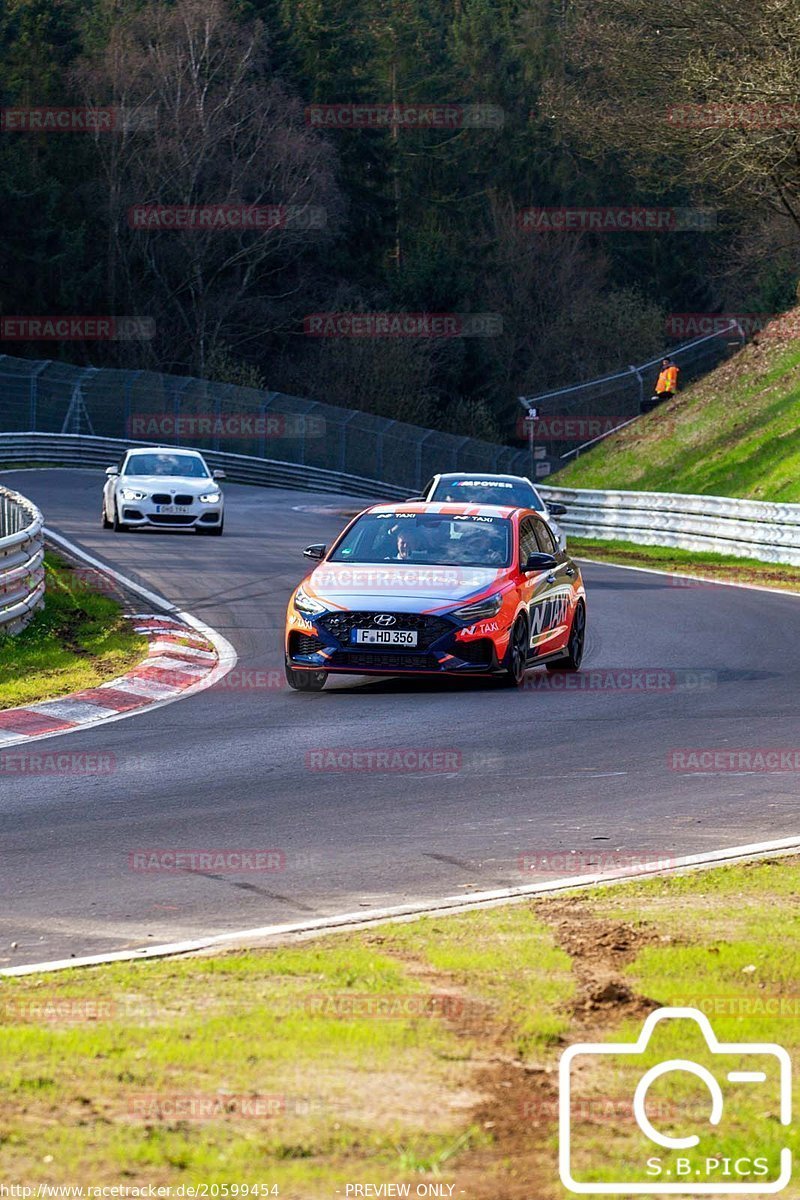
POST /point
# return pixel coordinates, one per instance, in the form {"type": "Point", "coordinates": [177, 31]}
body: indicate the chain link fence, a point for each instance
{"type": "Point", "coordinates": [571, 419]}
{"type": "Point", "coordinates": [144, 406]}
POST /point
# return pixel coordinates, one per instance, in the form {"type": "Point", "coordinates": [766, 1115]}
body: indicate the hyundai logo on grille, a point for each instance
{"type": "Point", "coordinates": [385, 619]}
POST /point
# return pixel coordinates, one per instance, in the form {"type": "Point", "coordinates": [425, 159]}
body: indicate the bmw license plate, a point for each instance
{"type": "Point", "coordinates": [385, 637]}
{"type": "Point", "coordinates": [173, 508]}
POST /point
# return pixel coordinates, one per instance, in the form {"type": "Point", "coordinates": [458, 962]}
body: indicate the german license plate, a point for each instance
{"type": "Point", "coordinates": [385, 637]}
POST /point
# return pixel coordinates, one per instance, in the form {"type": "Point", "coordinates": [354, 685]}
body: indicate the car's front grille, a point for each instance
{"type": "Point", "coordinates": [170, 519]}
{"type": "Point", "coordinates": [163, 498]}
{"type": "Point", "coordinates": [305, 643]}
{"type": "Point", "coordinates": [379, 660]}
{"type": "Point", "coordinates": [427, 627]}
{"type": "Point", "coordinates": [478, 652]}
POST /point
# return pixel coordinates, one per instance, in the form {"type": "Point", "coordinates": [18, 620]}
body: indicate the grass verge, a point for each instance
{"type": "Point", "coordinates": [724, 568]}
{"type": "Point", "coordinates": [78, 640]}
{"type": "Point", "coordinates": [419, 1053]}
{"type": "Point", "coordinates": [733, 433]}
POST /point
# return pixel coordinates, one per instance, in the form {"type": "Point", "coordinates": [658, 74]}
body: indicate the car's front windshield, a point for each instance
{"type": "Point", "coordinates": [184, 466]}
{"type": "Point", "coordinates": [488, 491]}
{"type": "Point", "coordinates": [427, 539]}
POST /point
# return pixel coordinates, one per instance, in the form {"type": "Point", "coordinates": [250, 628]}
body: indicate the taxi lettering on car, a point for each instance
{"type": "Point", "coordinates": [437, 589]}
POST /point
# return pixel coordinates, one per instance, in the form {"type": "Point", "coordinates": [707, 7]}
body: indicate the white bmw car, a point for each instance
{"type": "Point", "coordinates": [163, 488]}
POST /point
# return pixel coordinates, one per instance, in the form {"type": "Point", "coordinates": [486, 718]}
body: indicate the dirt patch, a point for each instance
{"type": "Point", "coordinates": [520, 1112]}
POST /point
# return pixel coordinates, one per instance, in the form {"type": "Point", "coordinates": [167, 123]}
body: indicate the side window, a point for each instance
{"type": "Point", "coordinates": [547, 543]}
{"type": "Point", "coordinates": [527, 541]}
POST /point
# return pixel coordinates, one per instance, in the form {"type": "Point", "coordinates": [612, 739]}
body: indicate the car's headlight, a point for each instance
{"type": "Point", "coordinates": [210, 498]}
{"type": "Point", "coordinates": [480, 610]}
{"type": "Point", "coordinates": [131, 494]}
{"type": "Point", "coordinates": [307, 604]}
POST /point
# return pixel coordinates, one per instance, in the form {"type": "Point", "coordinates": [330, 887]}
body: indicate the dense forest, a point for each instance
{"type": "Point", "coordinates": [578, 103]}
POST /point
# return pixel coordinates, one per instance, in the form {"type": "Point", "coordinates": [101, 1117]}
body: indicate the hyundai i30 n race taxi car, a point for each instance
{"type": "Point", "coordinates": [163, 487]}
{"type": "Point", "coordinates": [460, 487]}
{"type": "Point", "coordinates": [437, 589]}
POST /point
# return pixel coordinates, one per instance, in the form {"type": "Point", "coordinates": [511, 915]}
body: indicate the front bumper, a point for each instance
{"type": "Point", "coordinates": [141, 513]}
{"type": "Point", "coordinates": [324, 642]}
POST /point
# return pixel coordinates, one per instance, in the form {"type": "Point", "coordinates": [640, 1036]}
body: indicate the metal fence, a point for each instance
{"type": "Point", "coordinates": [55, 397]}
{"type": "Point", "coordinates": [571, 418]}
{"type": "Point", "coordinates": [21, 561]}
{"type": "Point", "coordinates": [743, 528]}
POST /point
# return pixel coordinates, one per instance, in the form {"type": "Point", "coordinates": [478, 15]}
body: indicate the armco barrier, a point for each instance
{"type": "Point", "coordinates": [21, 561]}
{"type": "Point", "coordinates": [744, 528]}
{"type": "Point", "coordinates": [78, 450]}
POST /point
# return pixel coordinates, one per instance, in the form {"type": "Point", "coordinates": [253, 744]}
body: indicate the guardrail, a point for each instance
{"type": "Point", "coordinates": [79, 450]}
{"type": "Point", "coordinates": [744, 528]}
{"type": "Point", "coordinates": [21, 561]}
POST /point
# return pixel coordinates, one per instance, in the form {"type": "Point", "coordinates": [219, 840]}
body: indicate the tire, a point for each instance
{"type": "Point", "coordinates": [516, 660]}
{"type": "Point", "coordinates": [305, 681]}
{"type": "Point", "coordinates": [104, 521]}
{"type": "Point", "coordinates": [577, 639]}
{"type": "Point", "coordinates": [118, 526]}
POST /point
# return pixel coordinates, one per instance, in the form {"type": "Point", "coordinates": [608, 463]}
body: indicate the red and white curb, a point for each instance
{"type": "Point", "coordinates": [177, 658]}
{"type": "Point", "coordinates": [185, 656]}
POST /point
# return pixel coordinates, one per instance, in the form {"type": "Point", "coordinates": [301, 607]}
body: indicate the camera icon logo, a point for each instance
{"type": "Point", "coordinates": [687, 1160]}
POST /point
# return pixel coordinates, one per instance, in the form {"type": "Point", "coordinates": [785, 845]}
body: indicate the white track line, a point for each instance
{"type": "Point", "coordinates": [731, 583]}
{"type": "Point", "coordinates": [413, 911]}
{"type": "Point", "coordinates": [225, 651]}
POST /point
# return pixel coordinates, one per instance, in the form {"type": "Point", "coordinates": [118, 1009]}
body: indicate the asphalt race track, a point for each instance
{"type": "Point", "coordinates": [537, 772]}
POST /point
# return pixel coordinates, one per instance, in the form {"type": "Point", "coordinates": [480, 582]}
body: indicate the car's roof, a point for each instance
{"type": "Point", "coordinates": [477, 476]}
{"type": "Point", "coordinates": [164, 450]}
{"type": "Point", "coordinates": [448, 508]}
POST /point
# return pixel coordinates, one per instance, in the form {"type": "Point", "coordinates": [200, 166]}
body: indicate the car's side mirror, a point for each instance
{"type": "Point", "coordinates": [541, 562]}
{"type": "Point", "coordinates": [218, 475]}
{"type": "Point", "coordinates": [557, 510]}
{"type": "Point", "coordinates": [112, 471]}
{"type": "Point", "coordinates": [315, 551]}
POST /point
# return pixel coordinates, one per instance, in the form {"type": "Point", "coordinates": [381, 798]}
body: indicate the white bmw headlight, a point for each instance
{"type": "Point", "coordinates": [210, 498]}
{"type": "Point", "coordinates": [480, 610]}
{"type": "Point", "coordinates": [307, 604]}
{"type": "Point", "coordinates": [132, 494]}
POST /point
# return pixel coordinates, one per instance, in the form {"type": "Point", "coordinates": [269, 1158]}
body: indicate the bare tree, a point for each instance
{"type": "Point", "coordinates": [206, 124]}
